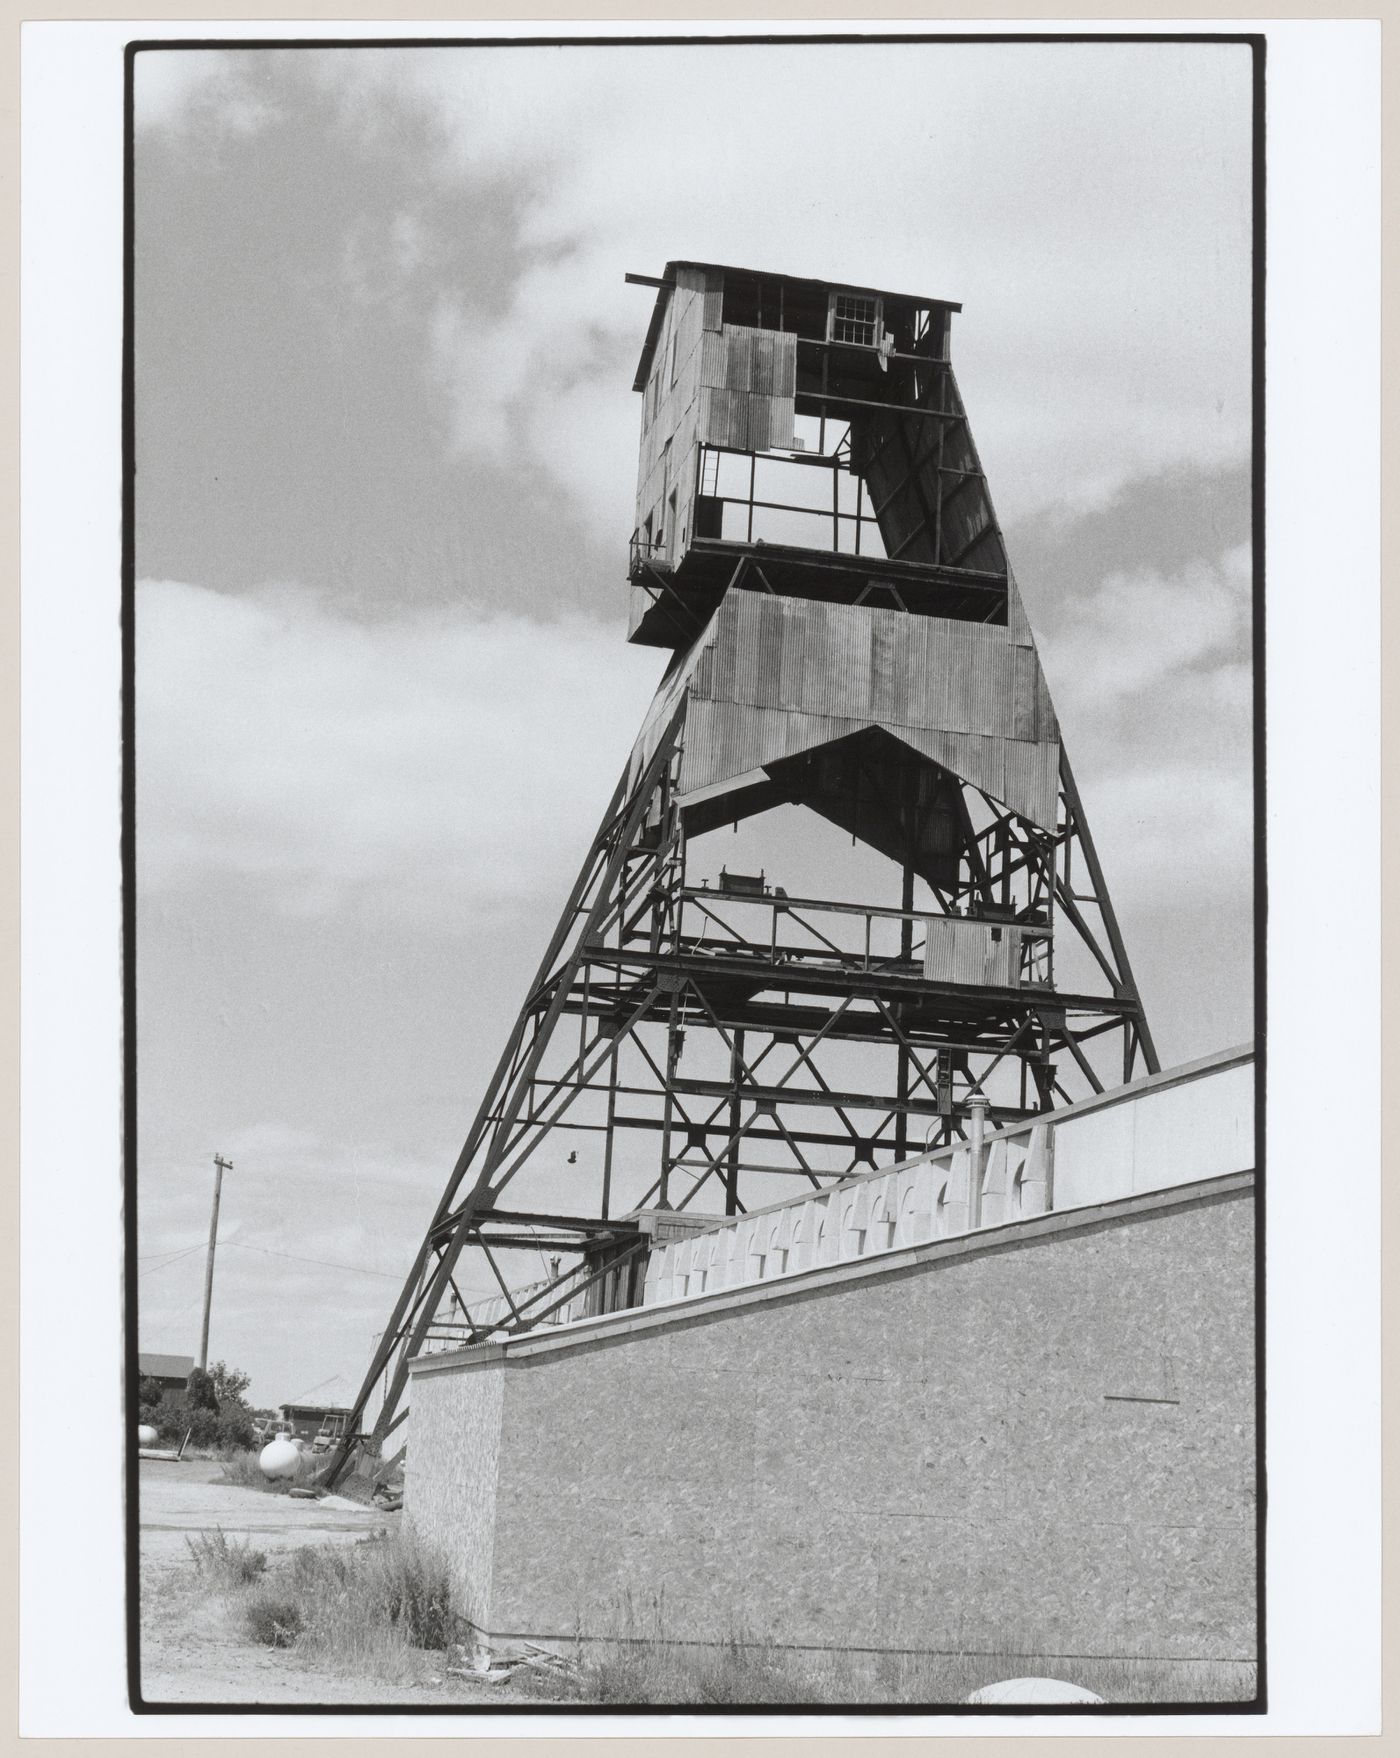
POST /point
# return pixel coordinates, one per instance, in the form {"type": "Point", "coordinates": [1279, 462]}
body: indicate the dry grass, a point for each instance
{"type": "Point", "coordinates": [643, 1664]}
{"type": "Point", "coordinates": [367, 1610]}
{"type": "Point", "coordinates": [749, 1674]}
{"type": "Point", "coordinates": [243, 1469]}
{"type": "Point", "coordinates": [228, 1563]}
{"type": "Point", "coordinates": [385, 1585]}
{"type": "Point", "coordinates": [381, 1609]}
{"type": "Point", "coordinates": [739, 1673]}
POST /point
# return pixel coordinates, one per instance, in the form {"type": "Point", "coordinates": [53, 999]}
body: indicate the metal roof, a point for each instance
{"type": "Point", "coordinates": [166, 1367]}
{"type": "Point", "coordinates": [665, 284]}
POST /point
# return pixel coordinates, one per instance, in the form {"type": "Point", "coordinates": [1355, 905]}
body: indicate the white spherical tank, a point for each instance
{"type": "Point", "coordinates": [1033, 1691]}
{"type": "Point", "coordinates": [146, 1436]}
{"type": "Point", "coordinates": [280, 1458]}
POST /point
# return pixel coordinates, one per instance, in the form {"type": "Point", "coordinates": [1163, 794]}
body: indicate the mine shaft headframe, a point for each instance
{"type": "Point", "coordinates": [874, 666]}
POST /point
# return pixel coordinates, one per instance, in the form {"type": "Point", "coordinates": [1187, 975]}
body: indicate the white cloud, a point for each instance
{"type": "Point", "coordinates": [1176, 837]}
{"type": "Point", "coordinates": [1136, 632]}
{"type": "Point", "coordinates": [1090, 207]}
{"type": "Point", "coordinates": [434, 767]}
{"type": "Point", "coordinates": [1154, 689]}
{"type": "Point", "coordinates": [225, 86]}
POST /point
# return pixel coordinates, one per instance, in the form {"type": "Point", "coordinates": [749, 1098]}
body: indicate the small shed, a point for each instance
{"type": "Point", "coordinates": [309, 1420]}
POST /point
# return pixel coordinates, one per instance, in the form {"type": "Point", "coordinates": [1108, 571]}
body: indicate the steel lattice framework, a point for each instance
{"type": "Point", "coordinates": [712, 1041]}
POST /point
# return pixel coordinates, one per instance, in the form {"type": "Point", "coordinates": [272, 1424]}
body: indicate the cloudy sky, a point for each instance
{"type": "Point", "coordinates": [386, 453]}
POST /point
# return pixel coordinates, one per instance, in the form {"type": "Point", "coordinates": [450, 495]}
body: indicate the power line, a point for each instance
{"type": "Point", "coordinates": [292, 1257]}
{"type": "Point", "coordinates": [295, 1258]}
{"type": "Point", "coordinates": [170, 1260]}
{"type": "Point", "coordinates": [320, 1386]}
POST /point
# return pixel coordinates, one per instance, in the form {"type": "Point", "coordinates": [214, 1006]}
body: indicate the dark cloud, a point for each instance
{"type": "Point", "coordinates": [1164, 523]}
{"type": "Point", "coordinates": [288, 423]}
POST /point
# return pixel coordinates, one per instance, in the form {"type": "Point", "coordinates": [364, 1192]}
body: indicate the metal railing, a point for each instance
{"type": "Point", "coordinates": [877, 943]}
{"type": "Point", "coordinates": [645, 552]}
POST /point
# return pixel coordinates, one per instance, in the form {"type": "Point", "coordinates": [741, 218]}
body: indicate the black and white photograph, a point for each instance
{"type": "Point", "coordinates": [694, 873]}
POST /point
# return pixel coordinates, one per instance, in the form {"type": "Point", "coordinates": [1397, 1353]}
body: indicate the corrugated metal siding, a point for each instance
{"type": "Point", "coordinates": [928, 674]}
{"type": "Point", "coordinates": [738, 373]}
{"type": "Point", "coordinates": [1032, 780]}
{"type": "Point", "coordinates": [770, 638]}
{"type": "Point", "coordinates": [712, 358]}
{"type": "Point", "coordinates": [761, 368]}
{"type": "Point", "coordinates": [745, 614]}
{"type": "Point", "coordinates": [752, 374]}
{"type": "Point", "coordinates": [1020, 715]}
{"type": "Point", "coordinates": [785, 367]}
{"type": "Point", "coordinates": [888, 666]}
{"type": "Point", "coordinates": [1047, 726]}
{"type": "Point", "coordinates": [956, 657]}
{"type": "Point", "coordinates": [849, 660]}
{"type": "Point", "coordinates": [1017, 623]}
{"type": "Point", "coordinates": [961, 951]}
{"type": "Point", "coordinates": [790, 674]}
{"type": "Point", "coordinates": [724, 633]}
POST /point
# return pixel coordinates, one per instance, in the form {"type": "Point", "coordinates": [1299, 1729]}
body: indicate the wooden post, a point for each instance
{"type": "Point", "coordinates": [220, 1167]}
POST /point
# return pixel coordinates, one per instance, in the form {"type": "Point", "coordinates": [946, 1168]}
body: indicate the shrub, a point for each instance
{"type": "Point", "coordinates": [149, 1392]}
{"type": "Point", "coordinates": [175, 1416]}
{"type": "Point", "coordinates": [272, 1618]}
{"type": "Point", "coordinates": [231, 1564]}
{"type": "Point", "coordinates": [235, 1429]}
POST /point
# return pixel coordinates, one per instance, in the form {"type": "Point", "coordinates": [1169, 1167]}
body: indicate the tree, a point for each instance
{"type": "Point", "coordinates": [199, 1391]}
{"type": "Point", "coordinates": [211, 1410]}
{"type": "Point", "coordinates": [230, 1383]}
{"type": "Point", "coordinates": [149, 1392]}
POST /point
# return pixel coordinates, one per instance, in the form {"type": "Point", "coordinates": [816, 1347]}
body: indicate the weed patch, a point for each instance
{"type": "Point", "coordinates": [231, 1563]}
{"type": "Point", "coordinates": [272, 1618]}
{"type": "Point", "coordinates": [365, 1610]}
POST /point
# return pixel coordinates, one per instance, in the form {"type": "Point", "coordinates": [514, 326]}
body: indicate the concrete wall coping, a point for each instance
{"type": "Point", "coordinates": [1027, 1230]}
{"type": "Point", "coordinates": [1218, 1062]}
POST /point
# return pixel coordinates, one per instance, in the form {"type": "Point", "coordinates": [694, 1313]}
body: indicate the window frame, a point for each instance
{"type": "Point", "coordinates": [875, 322]}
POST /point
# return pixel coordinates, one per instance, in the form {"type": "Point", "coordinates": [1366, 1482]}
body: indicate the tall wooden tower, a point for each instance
{"type": "Point", "coordinates": [853, 705]}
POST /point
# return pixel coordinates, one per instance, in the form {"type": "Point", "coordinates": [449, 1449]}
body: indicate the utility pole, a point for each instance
{"type": "Point", "coordinates": [220, 1167]}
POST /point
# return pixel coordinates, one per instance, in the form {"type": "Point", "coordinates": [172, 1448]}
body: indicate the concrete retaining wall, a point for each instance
{"type": "Point", "coordinates": [1034, 1439]}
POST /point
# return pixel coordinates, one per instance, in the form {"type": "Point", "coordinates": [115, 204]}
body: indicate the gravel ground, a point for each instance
{"type": "Point", "coordinates": [192, 1651]}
